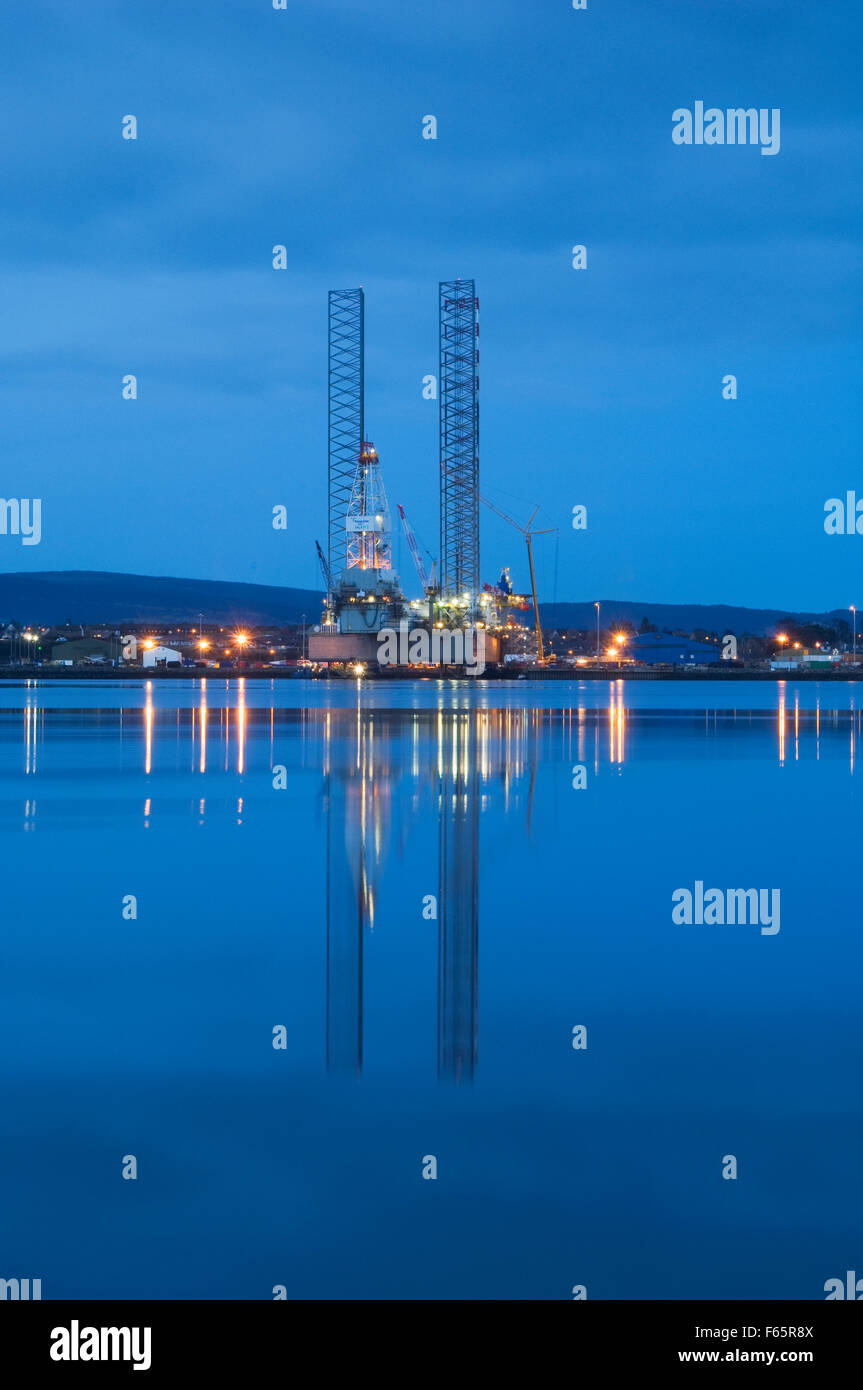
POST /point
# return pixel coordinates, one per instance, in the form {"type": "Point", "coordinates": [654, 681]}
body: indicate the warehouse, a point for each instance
{"type": "Point", "coordinates": [663, 648]}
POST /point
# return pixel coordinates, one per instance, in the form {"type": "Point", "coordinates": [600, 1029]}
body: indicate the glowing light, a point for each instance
{"type": "Point", "coordinates": [241, 639]}
{"type": "Point", "coordinates": [359, 668]}
{"type": "Point", "coordinates": [203, 644]}
{"type": "Point", "coordinates": [148, 643]}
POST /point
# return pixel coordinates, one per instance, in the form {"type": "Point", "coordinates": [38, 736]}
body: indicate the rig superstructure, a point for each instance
{"type": "Point", "coordinates": [364, 594]}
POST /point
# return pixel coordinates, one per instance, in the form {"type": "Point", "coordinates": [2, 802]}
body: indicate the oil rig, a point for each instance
{"type": "Point", "coordinates": [363, 593]}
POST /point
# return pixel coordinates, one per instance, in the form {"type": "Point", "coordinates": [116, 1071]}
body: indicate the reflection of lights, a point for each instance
{"type": "Point", "coordinates": [616, 725]}
{"type": "Point", "coordinates": [203, 763]}
{"type": "Point", "coordinates": [148, 730]}
{"type": "Point", "coordinates": [241, 728]}
{"type": "Point", "coordinates": [30, 717]}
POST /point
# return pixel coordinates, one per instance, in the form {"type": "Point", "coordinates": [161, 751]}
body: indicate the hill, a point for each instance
{"type": "Point", "coordinates": [93, 597]}
{"type": "Point", "coordinates": [715, 617]}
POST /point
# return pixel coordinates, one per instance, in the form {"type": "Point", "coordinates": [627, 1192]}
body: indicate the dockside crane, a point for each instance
{"type": "Point", "coordinates": [528, 534]}
{"type": "Point", "coordinates": [328, 579]}
{"type": "Point", "coordinates": [428, 585]}
{"type": "Point", "coordinates": [414, 548]}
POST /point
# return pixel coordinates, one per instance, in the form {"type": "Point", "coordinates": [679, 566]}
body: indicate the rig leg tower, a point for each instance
{"type": "Point", "coordinates": [459, 451]}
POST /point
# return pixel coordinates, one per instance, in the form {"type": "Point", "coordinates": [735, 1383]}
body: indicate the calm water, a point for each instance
{"type": "Point", "coordinates": [409, 1035]}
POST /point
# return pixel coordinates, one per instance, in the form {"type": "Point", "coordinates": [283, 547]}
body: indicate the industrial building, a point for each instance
{"type": "Point", "coordinates": [161, 656]}
{"type": "Point", "coordinates": [663, 648]}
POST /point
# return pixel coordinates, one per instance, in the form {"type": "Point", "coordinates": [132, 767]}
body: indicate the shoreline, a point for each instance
{"type": "Point", "coordinates": [736, 674]}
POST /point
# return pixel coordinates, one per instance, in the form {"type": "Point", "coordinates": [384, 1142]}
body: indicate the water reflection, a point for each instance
{"type": "Point", "coordinates": [458, 888]}
{"type": "Point", "coordinates": [447, 758]}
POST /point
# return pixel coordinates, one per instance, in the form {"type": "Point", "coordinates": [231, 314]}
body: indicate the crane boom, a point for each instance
{"type": "Point", "coordinates": [528, 536]}
{"type": "Point", "coordinates": [325, 569]}
{"type": "Point", "coordinates": [414, 549]}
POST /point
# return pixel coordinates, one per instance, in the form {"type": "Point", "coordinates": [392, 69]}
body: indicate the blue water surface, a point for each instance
{"type": "Point", "coordinates": [405, 879]}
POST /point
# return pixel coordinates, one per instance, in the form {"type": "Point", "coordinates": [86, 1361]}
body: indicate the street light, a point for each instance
{"type": "Point", "coordinates": [854, 611]}
{"type": "Point", "coordinates": [596, 606]}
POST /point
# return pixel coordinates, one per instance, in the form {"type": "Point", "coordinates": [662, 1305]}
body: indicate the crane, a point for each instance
{"type": "Point", "coordinates": [427, 583]}
{"type": "Point", "coordinates": [414, 548]}
{"type": "Point", "coordinates": [528, 536]}
{"type": "Point", "coordinates": [328, 580]}
{"type": "Point", "coordinates": [325, 569]}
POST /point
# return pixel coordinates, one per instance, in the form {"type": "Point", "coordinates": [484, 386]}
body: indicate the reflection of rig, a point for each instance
{"type": "Point", "coordinates": [448, 764]}
{"type": "Point", "coordinates": [363, 594]}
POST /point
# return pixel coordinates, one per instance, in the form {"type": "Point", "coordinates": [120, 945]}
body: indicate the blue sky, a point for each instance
{"type": "Point", "coordinates": [602, 387]}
